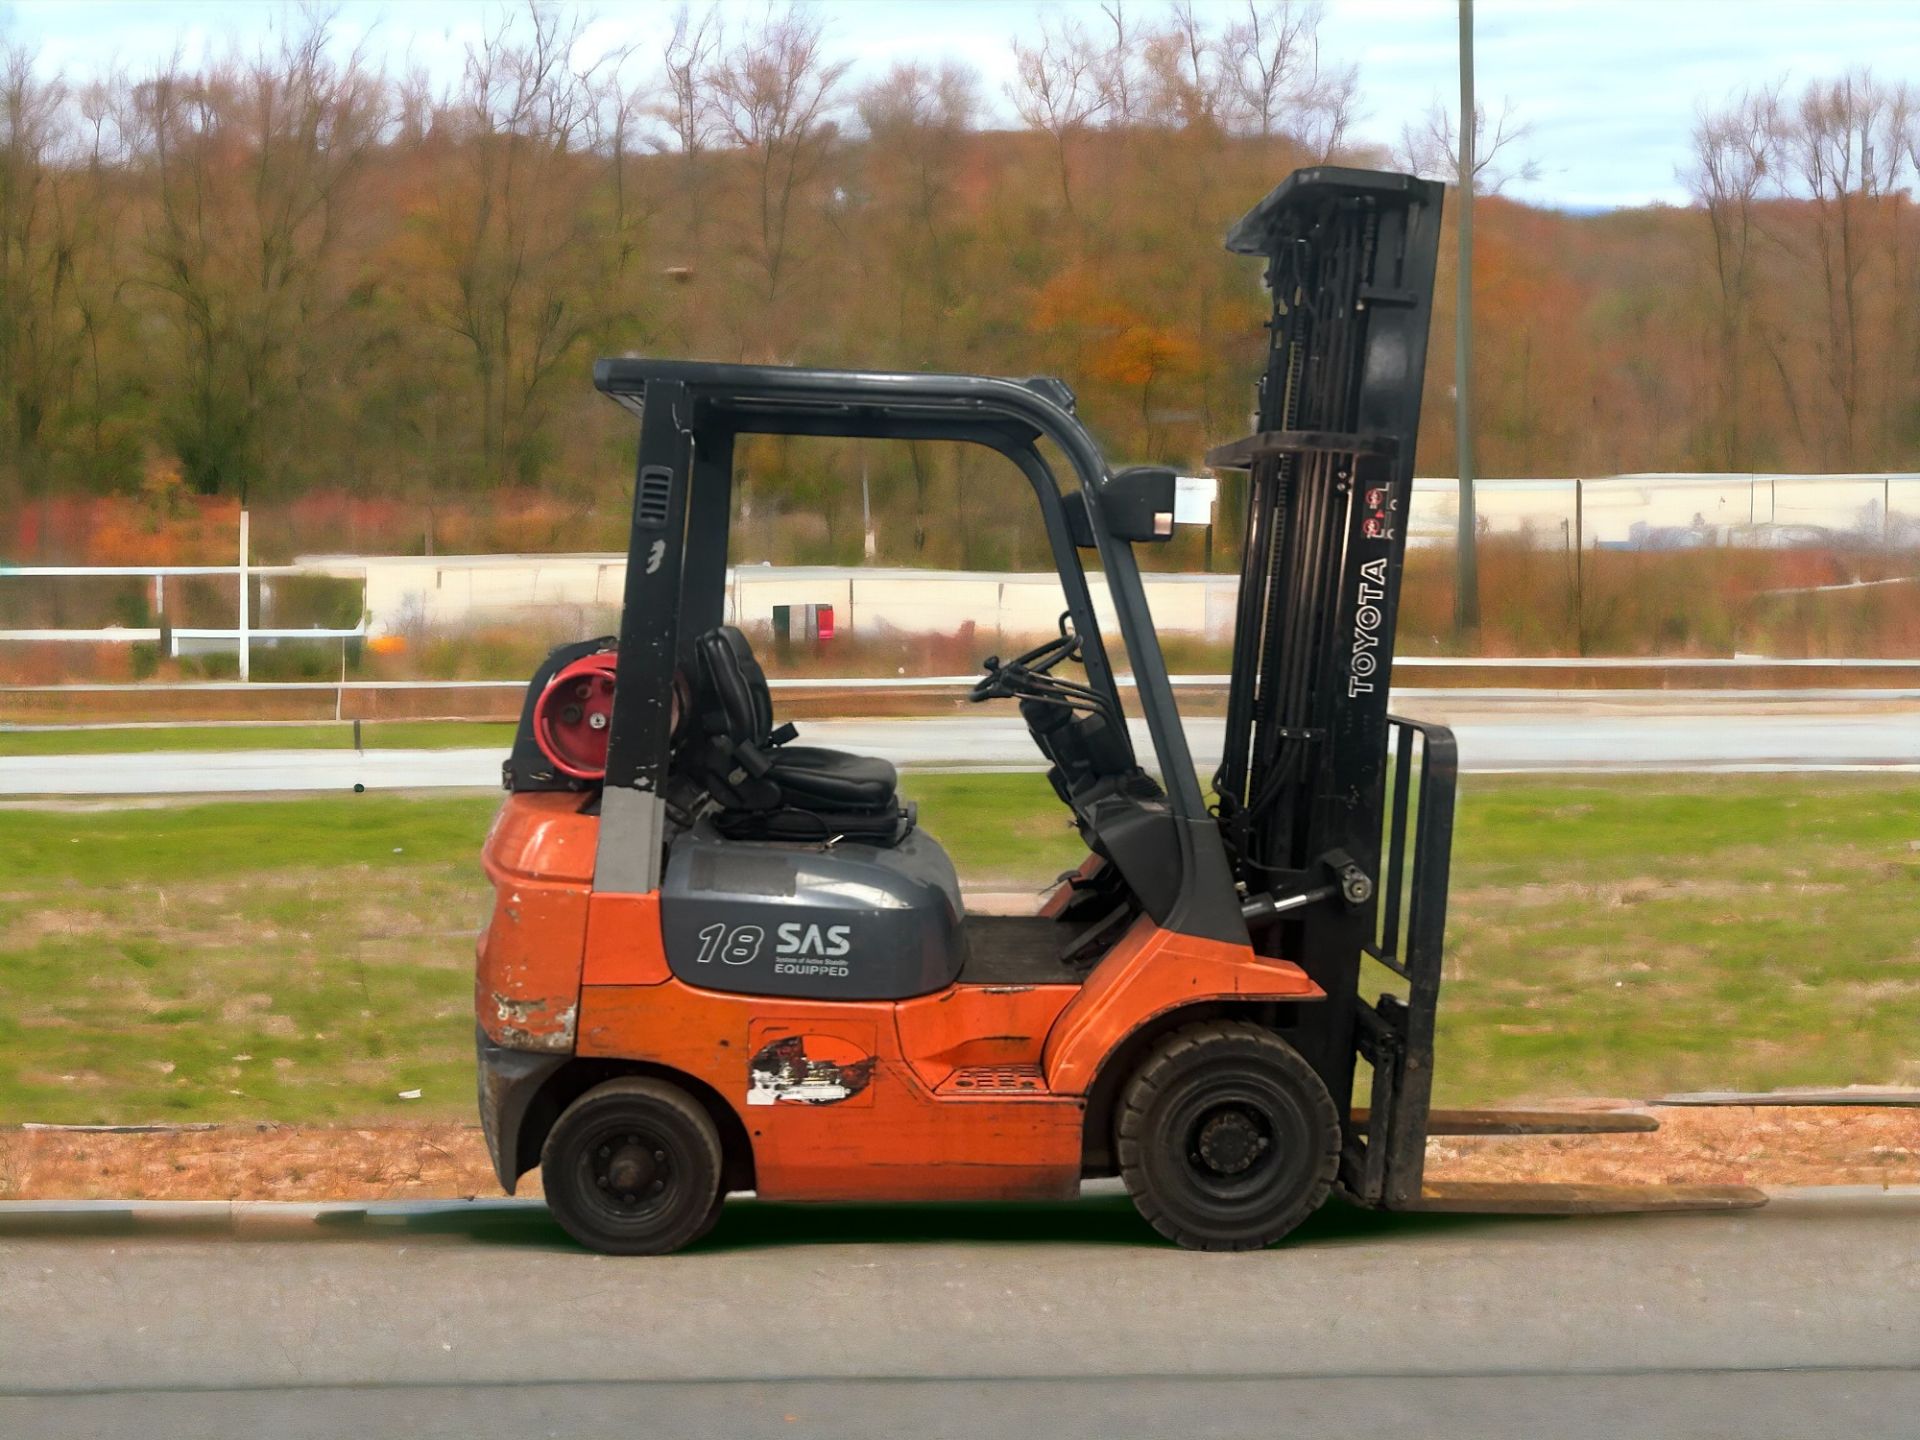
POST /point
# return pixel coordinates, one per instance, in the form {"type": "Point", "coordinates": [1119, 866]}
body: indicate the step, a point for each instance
{"type": "Point", "coordinates": [994, 1082]}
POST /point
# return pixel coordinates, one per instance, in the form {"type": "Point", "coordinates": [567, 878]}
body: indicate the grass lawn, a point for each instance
{"type": "Point", "coordinates": [327, 735]}
{"type": "Point", "coordinates": [310, 959]}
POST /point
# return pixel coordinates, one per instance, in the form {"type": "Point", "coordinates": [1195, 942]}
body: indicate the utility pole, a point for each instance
{"type": "Point", "coordinates": [867, 543]}
{"type": "Point", "coordinates": [1466, 598]}
{"type": "Point", "coordinates": [246, 648]}
{"type": "Point", "coordinates": [1579, 566]}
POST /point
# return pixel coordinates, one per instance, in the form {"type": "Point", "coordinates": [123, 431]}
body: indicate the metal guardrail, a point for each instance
{"type": "Point", "coordinates": [1466, 698]}
{"type": "Point", "coordinates": [132, 634]}
{"type": "Point", "coordinates": [1634, 662]}
{"type": "Point", "coordinates": [948, 682]}
{"type": "Point", "coordinates": [85, 572]}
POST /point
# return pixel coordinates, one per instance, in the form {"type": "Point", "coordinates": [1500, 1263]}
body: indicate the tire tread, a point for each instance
{"type": "Point", "coordinates": [699, 1124]}
{"type": "Point", "coordinates": [1189, 1045]}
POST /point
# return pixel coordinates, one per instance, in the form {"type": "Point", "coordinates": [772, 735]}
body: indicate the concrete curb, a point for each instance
{"type": "Point", "coordinates": [256, 1219]}
{"type": "Point", "coordinates": [1821, 1200]}
{"type": "Point", "coordinates": [354, 1220]}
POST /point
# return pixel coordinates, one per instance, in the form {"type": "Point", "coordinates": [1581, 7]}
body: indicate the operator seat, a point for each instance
{"type": "Point", "coordinates": [766, 788]}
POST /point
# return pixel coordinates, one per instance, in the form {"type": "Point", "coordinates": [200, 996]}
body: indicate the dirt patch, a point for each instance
{"type": "Point", "coordinates": [1754, 1146]}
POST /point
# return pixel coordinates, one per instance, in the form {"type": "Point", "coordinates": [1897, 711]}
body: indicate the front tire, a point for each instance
{"type": "Point", "coordinates": [633, 1168]}
{"type": "Point", "coordinates": [1227, 1139]}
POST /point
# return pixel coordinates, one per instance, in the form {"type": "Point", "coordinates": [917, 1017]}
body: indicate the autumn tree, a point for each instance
{"type": "Point", "coordinates": [1431, 147]}
{"type": "Point", "coordinates": [1119, 69]}
{"type": "Point", "coordinates": [686, 109]}
{"type": "Point", "coordinates": [1061, 86]}
{"type": "Point", "coordinates": [773, 94]}
{"type": "Point", "coordinates": [294, 274]}
{"type": "Point", "coordinates": [45, 210]}
{"type": "Point", "coordinates": [1843, 145]}
{"type": "Point", "coordinates": [1279, 82]}
{"type": "Point", "coordinates": [1734, 160]}
{"type": "Point", "coordinates": [918, 120]}
{"type": "Point", "coordinates": [256, 168]}
{"type": "Point", "coordinates": [1191, 77]}
{"type": "Point", "coordinates": [515, 266]}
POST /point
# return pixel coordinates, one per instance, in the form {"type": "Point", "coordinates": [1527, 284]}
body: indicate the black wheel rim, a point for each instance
{"type": "Point", "coordinates": [1240, 1144]}
{"type": "Point", "coordinates": [630, 1174]}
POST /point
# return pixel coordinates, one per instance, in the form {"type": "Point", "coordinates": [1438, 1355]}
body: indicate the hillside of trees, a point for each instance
{"type": "Point", "coordinates": [368, 308]}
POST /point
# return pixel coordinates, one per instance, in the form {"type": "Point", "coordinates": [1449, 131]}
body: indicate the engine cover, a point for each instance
{"type": "Point", "coordinates": [840, 922]}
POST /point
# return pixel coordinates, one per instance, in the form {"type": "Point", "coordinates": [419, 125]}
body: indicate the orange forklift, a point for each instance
{"type": "Point", "coordinates": [722, 960]}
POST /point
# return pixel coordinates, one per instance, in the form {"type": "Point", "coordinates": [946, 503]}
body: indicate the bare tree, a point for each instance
{"type": "Point", "coordinates": [1906, 137]}
{"type": "Point", "coordinates": [917, 119]}
{"type": "Point", "coordinates": [1734, 159]}
{"type": "Point", "coordinates": [1431, 147]}
{"type": "Point", "coordinates": [1830, 146]}
{"type": "Point", "coordinates": [413, 109]}
{"type": "Point", "coordinates": [520, 263]}
{"type": "Point", "coordinates": [1889, 160]}
{"type": "Point", "coordinates": [41, 323]}
{"type": "Point", "coordinates": [1272, 56]}
{"type": "Point", "coordinates": [616, 114]}
{"type": "Point", "coordinates": [1328, 112]}
{"type": "Point", "coordinates": [1060, 88]}
{"type": "Point", "coordinates": [256, 168]}
{"type": "Point", "coordinates": [1187, 68]}
{"type": "Point", "coordinates": [100, 149]}
{"type": "Point", "coordinates": [922, 115]}
{"type": "Point", "coordinates": [773, 96]}
{"type": "Point", "coordinates": [1119, 65]}
{"type": "Point", "coordinates": [687, 110]}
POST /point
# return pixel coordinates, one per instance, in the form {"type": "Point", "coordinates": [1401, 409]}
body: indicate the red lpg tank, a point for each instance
{"type": "Point", "coordinates": [575, 712]}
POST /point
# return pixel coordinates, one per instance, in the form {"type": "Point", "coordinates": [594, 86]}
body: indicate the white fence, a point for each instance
{"type": "Point", "coordinates": [1642, 511]}
{"type": "Point", "coordinates": [582, 592]}
{"type": "Point", "coordinates": [403, 592]}
{"type": "Point", "coordinates": [240, 637]}
{"type": "Point", "coordinates": [1670, 510]}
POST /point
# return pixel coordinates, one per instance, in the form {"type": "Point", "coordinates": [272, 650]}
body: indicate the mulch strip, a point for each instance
{"type": "Point", "coordinates": [1742, 1145]}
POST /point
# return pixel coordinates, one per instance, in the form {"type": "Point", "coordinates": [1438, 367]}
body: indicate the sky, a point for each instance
{"type": "Point", "coordinates": [1608, 87]}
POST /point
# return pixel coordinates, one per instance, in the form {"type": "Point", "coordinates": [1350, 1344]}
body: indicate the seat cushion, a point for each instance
{"type": "Point", "coordinates": [832, 780]}
{"type": "Point", "coordinates": [885, 828]}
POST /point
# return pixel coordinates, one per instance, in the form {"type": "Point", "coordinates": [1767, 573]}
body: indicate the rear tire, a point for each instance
{"type": "Point", "coordinates": [633, 1168]}
{"type": "Point", "coordinates": [1227, 1139]}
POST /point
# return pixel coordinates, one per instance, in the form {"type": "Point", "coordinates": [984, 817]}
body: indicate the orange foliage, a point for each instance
{"type": "Point", "coordinates": [163, 525]}
{"type": "Point", "coordinates": [1141, 353]}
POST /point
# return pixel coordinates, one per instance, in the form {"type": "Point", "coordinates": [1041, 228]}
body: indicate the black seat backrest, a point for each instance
{"type": "Point", "coordinates": [735, 702]}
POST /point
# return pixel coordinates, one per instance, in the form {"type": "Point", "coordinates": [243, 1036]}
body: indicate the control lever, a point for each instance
{"type": "Point", "coordinates": [987, 687]}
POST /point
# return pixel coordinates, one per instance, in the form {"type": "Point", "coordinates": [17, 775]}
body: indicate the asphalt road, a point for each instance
{"type": "Point", "coordinates": [1506, 739]}
{"type": "Point", "coordinates": [981, 1322]}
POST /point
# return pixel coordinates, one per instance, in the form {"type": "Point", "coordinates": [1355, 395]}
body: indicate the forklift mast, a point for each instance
{"type": "Point", "coordinates": [1312, 759]}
